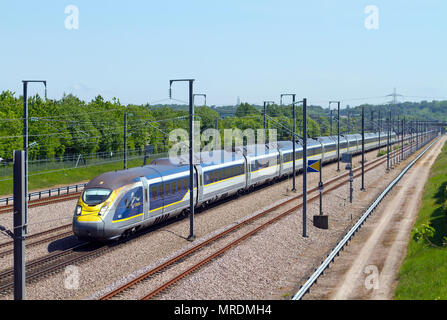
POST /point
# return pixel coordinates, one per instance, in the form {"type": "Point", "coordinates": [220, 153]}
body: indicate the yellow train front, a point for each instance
{"type": "Point", "coordinates": [111, 205]}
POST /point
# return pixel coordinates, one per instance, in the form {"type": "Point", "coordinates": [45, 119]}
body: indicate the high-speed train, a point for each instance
{"type": "Point", "coordinates": [116, 204]}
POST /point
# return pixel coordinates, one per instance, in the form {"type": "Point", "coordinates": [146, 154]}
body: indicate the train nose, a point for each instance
{"type": "Point", "coordinates": [88, 230]}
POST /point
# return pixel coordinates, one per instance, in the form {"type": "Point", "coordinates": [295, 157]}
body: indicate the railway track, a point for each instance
{"type": "Point", "coordinates": [305, 288]}
{"type": "Point", "coordinates": [180, 259]}
{"type": "Point", "coordinates": [37, 236]}
{"type": "Point", "coordinates": [47, 265]}
{"type": "Point", "coordinates": [43, 202]}
{"type": "Point", "coordinates": [55, 262]}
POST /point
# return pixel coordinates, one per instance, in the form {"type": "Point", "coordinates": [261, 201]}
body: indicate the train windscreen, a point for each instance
{"type": "Point", "coordinates": [95, 196]}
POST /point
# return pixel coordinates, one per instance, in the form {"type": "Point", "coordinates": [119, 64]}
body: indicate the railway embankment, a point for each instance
{"type": "Point", "coordinates": [423, 274]}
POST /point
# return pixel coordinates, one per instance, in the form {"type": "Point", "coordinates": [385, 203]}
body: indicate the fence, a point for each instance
{"type": "Point", "coordinates": [76, 161]}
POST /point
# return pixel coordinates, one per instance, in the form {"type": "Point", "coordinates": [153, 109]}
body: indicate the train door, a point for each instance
{"type": "Point", "coordinates": [281, 162]}
{"type": "Point", "coordinates": [322, 152]}
{"type": "Point", "coordinates": [199, 175]}
{"type": "Point", "coordinates": [145, 197]}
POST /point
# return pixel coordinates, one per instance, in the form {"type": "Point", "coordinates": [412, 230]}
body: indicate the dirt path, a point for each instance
{"type": "Point", "coordinates": [368, 268]}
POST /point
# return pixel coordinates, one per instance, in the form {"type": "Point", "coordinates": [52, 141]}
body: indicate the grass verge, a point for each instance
{"type": "Point", "coordinates": [423, 274]}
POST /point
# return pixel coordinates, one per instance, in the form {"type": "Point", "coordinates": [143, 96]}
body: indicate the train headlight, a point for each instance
{"type": "Point", "coordinates": [78, 210]}
{"type": "Point", "coordinates": [103, 210]}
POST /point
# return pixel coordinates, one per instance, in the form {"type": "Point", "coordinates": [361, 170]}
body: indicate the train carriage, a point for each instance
{"type": "Point", "coordinates": [223, 174]}
{"type": "Point", "coordinates": [116, 203]}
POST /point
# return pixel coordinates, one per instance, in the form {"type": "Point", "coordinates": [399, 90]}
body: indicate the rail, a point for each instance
{"type": "Point", "coordinates": [50, 192]}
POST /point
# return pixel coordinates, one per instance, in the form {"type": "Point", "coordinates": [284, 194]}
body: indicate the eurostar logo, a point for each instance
{"type": "Point", "coordinates": [133, 202]}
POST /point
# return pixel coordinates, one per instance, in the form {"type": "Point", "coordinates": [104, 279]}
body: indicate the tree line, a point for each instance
{"type": "Point", "coordinates": [70, 126]}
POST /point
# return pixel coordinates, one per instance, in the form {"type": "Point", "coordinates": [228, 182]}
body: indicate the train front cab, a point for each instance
{"type": "Point", "coordinates": [88, 219]}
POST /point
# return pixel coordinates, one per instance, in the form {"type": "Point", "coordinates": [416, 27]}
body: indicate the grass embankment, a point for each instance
{"type": "Point", "coordinates": [423, 275]}
{"type": "Point", "coordinates": [38, 181]}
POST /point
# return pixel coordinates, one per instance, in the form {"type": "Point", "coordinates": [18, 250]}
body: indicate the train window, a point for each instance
{"type": "Point", "coordinates": [173, 187]}
{"type": "Point", "coordinates": [227, 173]}
{"type": "Point", "coordinates": [160, 191]}
{"type": "Point", "coordinates": [167, 189]}
{"type": "Point", "coordinates": [154, 193]}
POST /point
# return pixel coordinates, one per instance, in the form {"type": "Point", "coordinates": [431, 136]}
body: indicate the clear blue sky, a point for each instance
{"type": "Point", "coordinates": [254, 49]}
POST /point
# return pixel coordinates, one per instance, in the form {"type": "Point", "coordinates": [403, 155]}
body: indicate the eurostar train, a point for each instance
{"type": "Point", "coordinates": [117, 204]}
